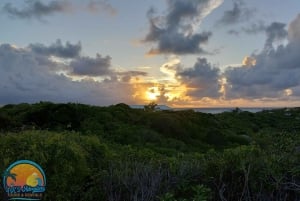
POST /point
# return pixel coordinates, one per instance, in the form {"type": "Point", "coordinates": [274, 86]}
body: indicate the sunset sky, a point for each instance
{"type": "Point", "coordinates": [181, 53]}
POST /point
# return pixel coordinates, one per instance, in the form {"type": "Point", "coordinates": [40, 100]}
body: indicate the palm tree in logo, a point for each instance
{"type": "Point", "coordinates": [8, 174]}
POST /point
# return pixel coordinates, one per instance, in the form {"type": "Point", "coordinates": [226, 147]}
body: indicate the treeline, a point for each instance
{"type": "Point", "coordinates": [117, 153]}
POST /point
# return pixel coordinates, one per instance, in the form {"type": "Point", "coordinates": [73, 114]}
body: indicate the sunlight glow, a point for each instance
{"type": "Point", "coordinates": [152, 93]}
{"type": "Point", "coordinates": [223, 84]}
{"type": "Point", "coordinates": [249, 61]}
{"type": "Point", "coordinates": [288, 92]}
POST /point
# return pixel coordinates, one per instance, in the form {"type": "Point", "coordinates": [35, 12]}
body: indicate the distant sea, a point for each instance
{"type": "Point", "coordinates": [210, 110]}
{"type": "Point", "coordinates": [226, 109]}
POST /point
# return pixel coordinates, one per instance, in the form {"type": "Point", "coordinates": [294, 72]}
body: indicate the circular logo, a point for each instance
{"type": "Point", "coordinates": [24, 180]}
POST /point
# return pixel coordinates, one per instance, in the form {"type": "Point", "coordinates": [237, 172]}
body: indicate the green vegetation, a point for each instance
{"type": "Point", "coordinates": [117, 153]}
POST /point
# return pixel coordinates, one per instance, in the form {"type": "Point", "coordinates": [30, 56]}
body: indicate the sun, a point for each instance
{"type": "Point", "coordinates": [151, 96]}
{"type": "Point", "coordinates": [152, 93]}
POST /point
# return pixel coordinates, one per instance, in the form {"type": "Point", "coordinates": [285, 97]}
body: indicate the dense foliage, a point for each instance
{"type": "Point", "coordinates": [117, 153]}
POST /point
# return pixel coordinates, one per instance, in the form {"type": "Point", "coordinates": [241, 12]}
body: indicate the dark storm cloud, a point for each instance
{"type": "Point", "coordinates": [98, 66]}
{"type": "Point", "coordinates": [36, 9]}
{"type": "Point", "coordinates": [57, 49]}
{"type": "Point", "coordinates": [175, 32]}
{"type": "Point", "coordinates": [239, 13]}
{"type": "Point", "coordinates": [276, 69]}
{"type": "Point", "coordinates": [202, 79]}
{"type": "Point", "coordinates": [29, 77]}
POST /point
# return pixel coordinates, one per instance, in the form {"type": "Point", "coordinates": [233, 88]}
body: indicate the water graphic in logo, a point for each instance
{"type": "Point", "coordinates": [24, 180]}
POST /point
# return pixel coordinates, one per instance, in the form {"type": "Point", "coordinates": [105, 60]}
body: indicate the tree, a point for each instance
{"type": "Point", "coordinates": [150, 107]}
{"type": "Point", "coordinates": [7, 174]}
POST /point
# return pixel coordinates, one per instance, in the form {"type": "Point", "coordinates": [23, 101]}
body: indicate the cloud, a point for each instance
{"type": "Point", "coordinates": [175, 32]}
{"type": "Point", "coordinates": [128, 75]}
{"type": "Point", "coordinates": [254, 28]}
{"type": "Point", "coordinates": [239, 13]}
{"type": "Point", "coordinates": [170, 68]}
{"type": "Point", "coordinates": [36, 9]}
{"type": "Point", "coordinates": [233, 32]}
{"type": "Point", "coordinates": [294, 30]}
{"type": "Point", "coordinates": [101, 6]}
{"type": "Point", "coordinates": [276, 71]}
{"type": "Point", "coordinates": [181, 85]}
{"type": "Point", "coordinates": [98, 66]}
{"type": "Point", "coordinates": [275, 32]}
{"type": "Point", "coordinates": [202, 80]}
{"type": "Point", "coordinates": [57, 49]}
{"type": "Point", "coordinates": [26, 76]}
